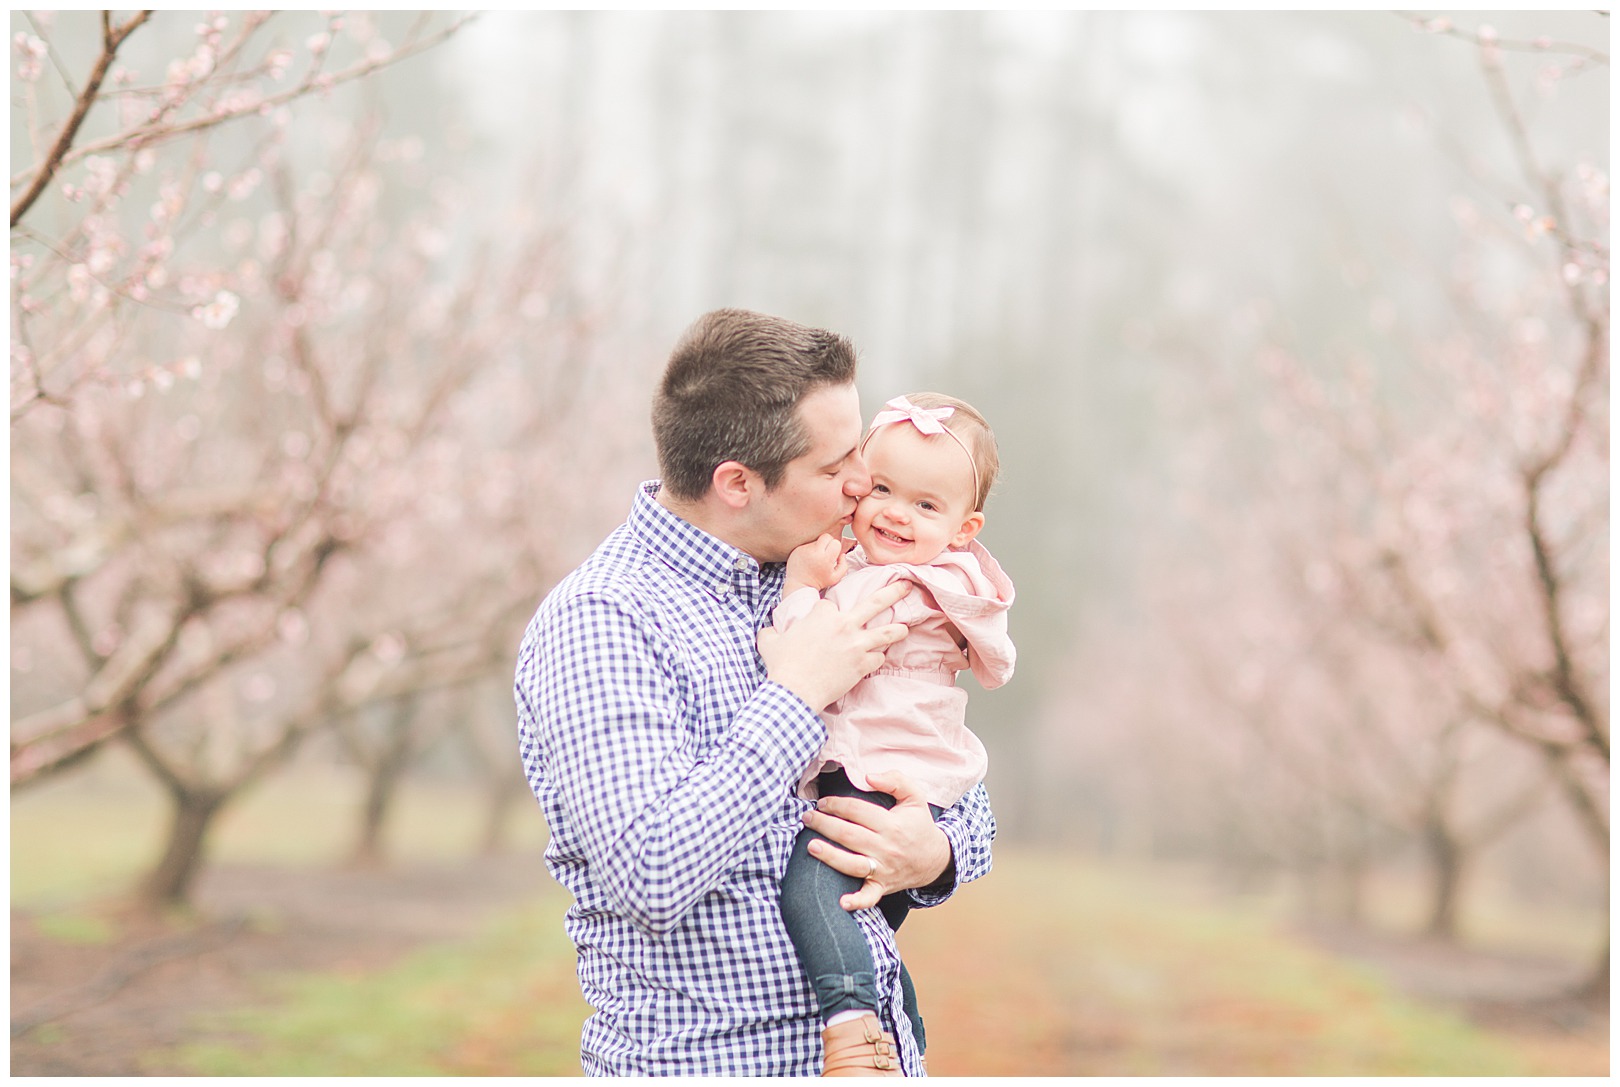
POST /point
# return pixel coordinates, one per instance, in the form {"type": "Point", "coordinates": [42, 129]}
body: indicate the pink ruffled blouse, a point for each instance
{"type": "Point", "coordinates": [909, 715]}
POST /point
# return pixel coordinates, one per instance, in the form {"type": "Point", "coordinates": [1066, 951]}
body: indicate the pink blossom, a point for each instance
{"type": "Point", "coordinates": [101, 260]}
{"type": "Point", "coordinates": [318, 43]}
{"type": "Point", "coordinates": [103, 173]}
{"type": "Point", "coordinates": [32, 53]}
{"type": "Point", "coordinates": [78, 277]}
{"type": "Point", "coordinates": [201, 62]}
{"type": "Point", "coordinates": [218, 313]}
{"type": "Point", "coordinates": [107, 639]}
{"type": "Point", "coordinates": [259, 687]}
{"type": "Point", "coordinates": [292, 627]}
{"type": "Point", "coordinates": [389, 648]}
{"type": "Point", "coordinates": [243, 184]}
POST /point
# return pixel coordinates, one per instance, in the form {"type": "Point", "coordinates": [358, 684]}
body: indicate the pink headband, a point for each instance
{"type": "Point", "coordinates": [928, 421]}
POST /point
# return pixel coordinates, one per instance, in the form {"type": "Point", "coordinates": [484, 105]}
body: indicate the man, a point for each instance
{"type": "Point", "coordinates": [663, 726]}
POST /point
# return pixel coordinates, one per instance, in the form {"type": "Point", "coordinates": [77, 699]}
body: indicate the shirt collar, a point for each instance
{"type": "Point", "coordinates": [707, 560]}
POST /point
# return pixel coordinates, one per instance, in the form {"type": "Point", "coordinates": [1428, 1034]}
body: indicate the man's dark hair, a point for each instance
{"type": "Point", "coordinates": [731, 392]}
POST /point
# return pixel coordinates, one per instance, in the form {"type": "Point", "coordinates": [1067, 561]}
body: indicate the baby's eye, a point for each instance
{"type": "Point", "coordinates": [929, 506]}
{"type": "Point", "coordinates": [878, 488]}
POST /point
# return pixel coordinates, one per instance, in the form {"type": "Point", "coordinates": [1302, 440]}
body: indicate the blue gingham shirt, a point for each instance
{"type": "Point", "coordinates": [664, 763]}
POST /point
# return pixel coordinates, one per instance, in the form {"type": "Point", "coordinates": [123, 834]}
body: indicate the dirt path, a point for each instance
{"type": "Point", "coordinates": [93, 1009]}
{"type": "Point", "coordinates": [104, 1008]}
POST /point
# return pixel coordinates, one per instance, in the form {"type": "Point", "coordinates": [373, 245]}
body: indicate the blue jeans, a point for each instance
{"type": "Point", "coordinates": [829, 943]}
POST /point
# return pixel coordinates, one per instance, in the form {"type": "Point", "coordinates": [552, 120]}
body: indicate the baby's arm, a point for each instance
{"type": "Point", "coordinates": [819, 565]}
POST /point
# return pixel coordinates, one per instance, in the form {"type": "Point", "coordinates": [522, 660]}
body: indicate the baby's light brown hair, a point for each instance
{"type": "Point", "coordinates": [968, 424]}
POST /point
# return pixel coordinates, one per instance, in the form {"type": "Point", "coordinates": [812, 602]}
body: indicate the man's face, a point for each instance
{"type": "Point", "coordinates": [818, 491]}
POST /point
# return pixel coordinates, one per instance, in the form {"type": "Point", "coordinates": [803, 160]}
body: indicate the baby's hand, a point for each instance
{"type": "Point", "coordinates": [819, 564]}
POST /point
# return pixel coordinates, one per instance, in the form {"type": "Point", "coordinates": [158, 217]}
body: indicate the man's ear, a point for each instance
{"type": "Point", "coordinates": [734, 483]}
{"type": "Point", "coordinates": [970, 528]}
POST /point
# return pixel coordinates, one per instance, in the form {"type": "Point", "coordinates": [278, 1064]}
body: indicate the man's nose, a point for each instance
{"type": "Point", "coordinates": [859, 483]}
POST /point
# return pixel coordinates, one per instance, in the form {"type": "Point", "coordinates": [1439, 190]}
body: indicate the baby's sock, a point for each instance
{"type": "Point", "coordinates": [844, 1017]}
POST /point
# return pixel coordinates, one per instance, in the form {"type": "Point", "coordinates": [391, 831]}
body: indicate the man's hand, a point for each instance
{"type": "Point", "coordinates": [820, 657]}
{"type": "Point", "coordinates": [892, 849]}
{"type": "Point", "coordinates": [819, 564]}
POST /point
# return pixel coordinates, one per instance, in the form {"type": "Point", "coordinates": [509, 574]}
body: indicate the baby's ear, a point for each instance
{"type": "Point", "coordinates": [970, 528]}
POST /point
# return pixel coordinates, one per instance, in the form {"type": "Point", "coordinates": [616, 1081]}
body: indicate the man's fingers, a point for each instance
{"type": "Point", "coordinates": [848, 809]}
{"type": "Point", "coordinates": [889, 633]}
{"type": "Point", "coordinates": [870, 894]}
{"type": "Point", "coordinates": [844, 860]}
{"type": "Point", "coordinates": [899, 786]}
{"type": "Point", "coordinates": [880, 601]}
{"type": "Point", "coordinates": [858, 865]}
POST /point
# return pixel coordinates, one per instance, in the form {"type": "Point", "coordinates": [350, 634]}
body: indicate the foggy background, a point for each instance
{"type": "Point", "coordinates": [1057, 216]}
{"type": "Point", "coordinates": [1271, 313]}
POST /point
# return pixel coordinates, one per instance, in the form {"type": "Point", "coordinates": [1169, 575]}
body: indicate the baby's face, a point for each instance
{"type": "Point", "coordinates": [921, 500]}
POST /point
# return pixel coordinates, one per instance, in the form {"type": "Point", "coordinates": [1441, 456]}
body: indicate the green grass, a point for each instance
{"type": "Point", "coordinates": [503, 1004]}
{"type": "Point", "coordinates": [75, 928]}
{"type": "Point", "coordinates": [1050, 966]}
{"type": "Point", "coordinates": [94, 833]}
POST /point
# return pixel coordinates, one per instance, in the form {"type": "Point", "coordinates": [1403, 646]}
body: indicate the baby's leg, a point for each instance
{"type": "Point", "coordinates": [829, 943]}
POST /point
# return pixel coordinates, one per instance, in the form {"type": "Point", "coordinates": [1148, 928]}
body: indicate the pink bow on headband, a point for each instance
{"type": "Point", "coordinates": [926, 420]}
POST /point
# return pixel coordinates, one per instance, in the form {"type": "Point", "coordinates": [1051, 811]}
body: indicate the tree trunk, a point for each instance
{"type": "Point", "coordinates": [385, 767]}
{"type": "Point", "coordinates": [381, 788]}
{"type": "Point", "coordinates": [1446, 858]}
{"type": "Point", "coordinates": [193, 812]}
{"type": "Point", "coordinates": [1595, 989]}
{"type": "Point", "coordinates": [1350, 894]}
{"type": "Point", "coordinates": [497, 814]}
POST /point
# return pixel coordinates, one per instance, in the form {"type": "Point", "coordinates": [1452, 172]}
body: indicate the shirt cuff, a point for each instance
{"type": "Point", "coordinates": [780, 726]}
{"type": "Point", "coordinates": [945, 886]}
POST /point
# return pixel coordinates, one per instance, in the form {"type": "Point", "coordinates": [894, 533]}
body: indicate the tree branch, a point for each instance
{"type": "Point", "coordinates": [111, 38]}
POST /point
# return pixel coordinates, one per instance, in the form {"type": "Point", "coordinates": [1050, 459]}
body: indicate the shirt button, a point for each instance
{"type": "Point", "coordinates": [740, 563]}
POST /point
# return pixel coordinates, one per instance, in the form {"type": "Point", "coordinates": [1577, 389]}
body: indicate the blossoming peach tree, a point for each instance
{"type": "Point", "coordinates": [289, 439]}
{"type": "Point", "coordinates": [1392, 633]}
